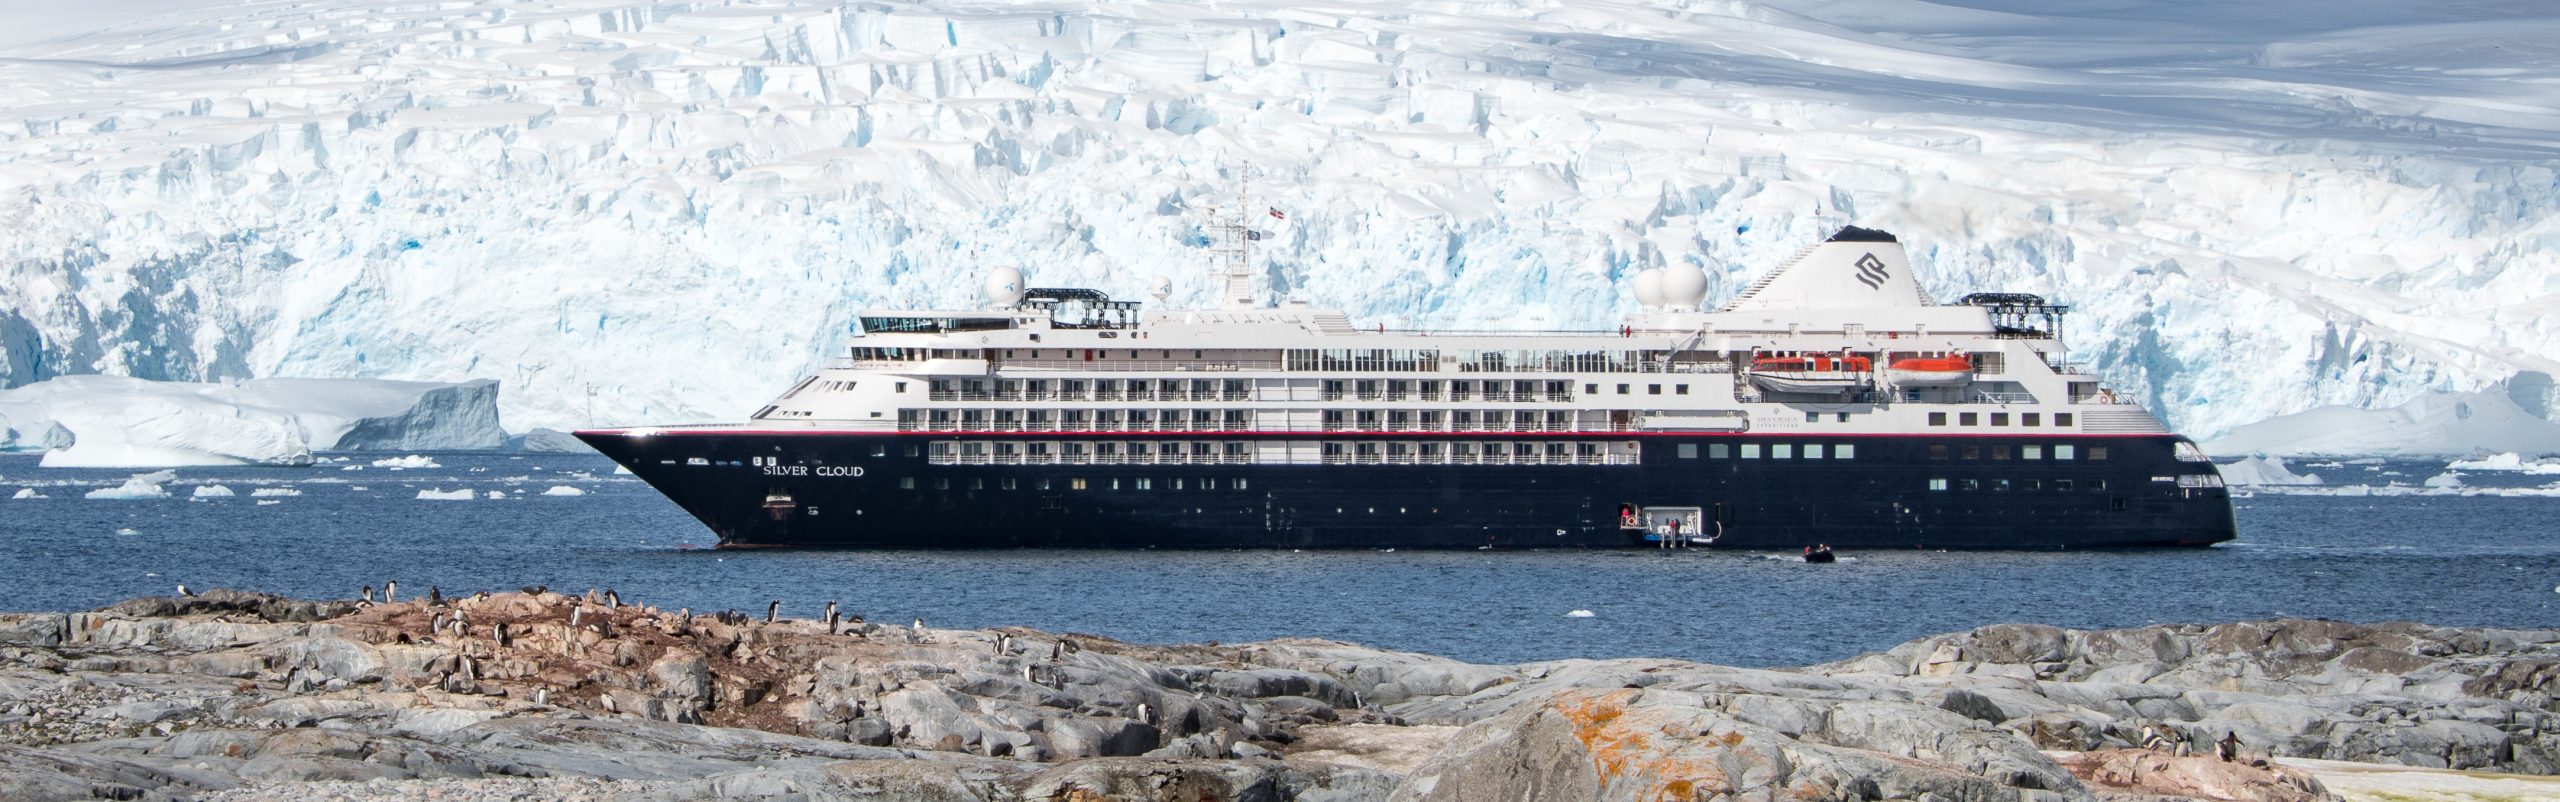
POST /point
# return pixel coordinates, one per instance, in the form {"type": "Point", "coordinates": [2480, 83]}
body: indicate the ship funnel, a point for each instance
{"type": "Point", "coordinates": [1857, 268]}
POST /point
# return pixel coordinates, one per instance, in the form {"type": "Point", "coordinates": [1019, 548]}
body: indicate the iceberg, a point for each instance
{"type": "Point", "coordinates": [407, 462]}
{"type": "Point", "coordinates": [2264, 471]}
{"type": "Point", "coordinates": [439, 494]}
{"type": "Point", "coordinates": [212, 491]}
{"type": "Point", "coordinates": [2432, 425]}
{"type": "Point", "coordinates": [118, 421]}
{"type": "Point", "coordinates": [142, 487]}
{"type": "Point", "coordinates": [27, 493]}
{"type": "Point", "coordinates": [274, 492]}
{"type": "Point", "coordinates": [563, 490]}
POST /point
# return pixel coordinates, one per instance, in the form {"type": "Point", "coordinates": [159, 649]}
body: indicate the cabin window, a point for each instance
{"type": "Point", "coordinates": [1242, 483]}
{"type": "Point", "coordinates": [1008, 483]}
{"type": "Point", "coordinates": [1680, 389]}
{"type": "Point", "coordinates": [2000, 484]}
{"type": "Point", "coordinates": [1622, 389]}
{"type": "Point", "coordinates": [906, 483]}
{"type": "Point", "coordinates": [1937, 452]}
{"type": "Point", "coordinates": [1115, 481]}
{"type": "Point", "coordinates": [1972, 484]}
{"type": "Point", "coordinates": [1591, 389]}
{"type": "Point", "coordinates": [1208, 484]}
{"type": "Point", "coordinates": [1144, 483]}
{"type": "Point", "coordinates": [1968, 419]}
{"type": "Point", "coordinates": [1937, 484]}
{"type": "Point", "coordinates": [912, 451]}
{"type": "Point", "coordinates": [2030, 419]}
{"type": "Point", "coordinates": [1999, 452]}
{"type": "Point", "coordinates": [977, 484]}
{"type": "Point", "coordinates": [1842, 418]}
{"type": "Point", "coordinates": [1999, 419]}
{"type": "Point", "coordinates": [1813, 451]}
{"type": "Point", "coordinates": [1844, 451]}
{"type": "Point", "coordinates": [1751, 451]}
{"type": "Point", "coordinates": [2097, 452]}
{"type": "Point", "coordinates": [1813, 417]}
{"type": "Point", "coordinates": [1972, 452]}
{"type": "Point", "coordinates": [1075, 484]}
{"type": "Point", "coordinates": [1718, 451]}
{"type": "Point", "coordinates": [1653, 389]}
{"type": "Point", "coordinates": [2062, 484]}
{"type": "Point", "coordinates": [2062, 419]}
{"type": "Point", "coordinates": [2030, 484]}
{"type": "Point", "coordinates": [2031, 452]}
{"type": "Point", "coordinates": [1782, 451]}
{"type": "Point", "coordinates": [943, 483]}
{"type": "Point", "coordinates": [2097, 484]}
{"type": "Point", "coordinates": [1688, 451]}
{"type": "Point", "coordinates": [1937, 419]}
{"type": "Point", "coordinates": [902, 387]}
{"type": "Point", "coordinates": [879, 449]}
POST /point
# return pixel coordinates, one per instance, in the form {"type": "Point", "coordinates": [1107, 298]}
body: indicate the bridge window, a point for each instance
{"type": "Point", "coordinates": [1688, 451]}
{"type": "Point", "coordinates": [1937, 419]}
{"type": "Point", "coordinates": [1968, 419]}
{"type": "Point", "coordinates": [2062, 419]}
{"type": "Point", "coordinates": [1718, 451]}
{"type": "Point", "coordinates": [1813, 417]}
{"type": "Point", "coordinates": [2030, 419]}
{"type": "Point", "coordinates": [1999, 419]}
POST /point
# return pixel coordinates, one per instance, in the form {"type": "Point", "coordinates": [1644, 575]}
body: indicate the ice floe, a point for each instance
{"type": "Point", "coordinates": [438, 494]}
{"type": "Point", "coordinates": [142, 487]}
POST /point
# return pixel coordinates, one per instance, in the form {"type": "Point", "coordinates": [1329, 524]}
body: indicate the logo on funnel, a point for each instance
{"type": "Point", "coordinates": [1871, 272]}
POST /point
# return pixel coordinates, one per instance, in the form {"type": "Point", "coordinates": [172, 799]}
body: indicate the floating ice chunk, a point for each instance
{"type": "Point", "coordinates": [352, 468]}
{"type": "Point", "coordinates": [28, 492]}
{"type": "Point", "coordinates": [622, 470]}
{"type": "Point", "coordinates": [563, 490]}
{"type": "Point", "coordinates": [497, 494]}
{"type": "Point", "coordinates": [411, 461]}
{"type": "Point", "coordinates": [2265, 471]}
{"type": "Point", "coordinates": [274, 492]}
{"type": "Point", "coordinates": [143, 486]}
{"type": "Point", "coordinates": [360, 488]}
{"type": "Point", "coordinates": [2445, 479]}
{"type": "Point", "coordinates": [213, 491]}
{"type": "Point", "coordinates": [1581, 614]}
{"type": "Point", "coordinates": [268, 502]}
{"type": "Point", "coordinates": [437, 494]}
{"type": "Point", "coordinates": [128, 532]}
{"type": "Point", "coordinates": [2509, 461]}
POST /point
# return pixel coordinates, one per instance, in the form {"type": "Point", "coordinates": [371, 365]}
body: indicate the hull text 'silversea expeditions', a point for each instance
{"type": "Point", "coordinates": [1832, 402]}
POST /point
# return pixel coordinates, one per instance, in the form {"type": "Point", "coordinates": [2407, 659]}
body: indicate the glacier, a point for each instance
{"type": "Point", "coordinates": [120, 421]}
{"type": "Point", "coordinates": [669, 210]}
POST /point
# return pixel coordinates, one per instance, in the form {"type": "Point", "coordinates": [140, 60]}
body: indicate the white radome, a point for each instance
{"type": "Point", "coordinates": [1004, 286]}
{"type": "Point", "coordinates": [1161, 288]}
{"type": "Point", "coordinates": [1682, 287]}
{"type": "Point", "coordinates": [1649, 287]}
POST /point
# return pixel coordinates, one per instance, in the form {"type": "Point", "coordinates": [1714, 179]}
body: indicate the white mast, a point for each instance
{"type": "Point", "coordinates": [1234, 249]}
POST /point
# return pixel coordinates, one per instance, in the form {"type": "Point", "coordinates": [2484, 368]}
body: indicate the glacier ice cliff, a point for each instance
{"type": "Point", "coordinates": [668, 210]}
{"type": "Point", "coordinates": [117, 421]}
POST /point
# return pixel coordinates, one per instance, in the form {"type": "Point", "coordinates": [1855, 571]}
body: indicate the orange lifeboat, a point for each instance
{"type": "Point", "coordinates": [1930, 371]}
{"type": "Point", "coordinates": [1817, 374]}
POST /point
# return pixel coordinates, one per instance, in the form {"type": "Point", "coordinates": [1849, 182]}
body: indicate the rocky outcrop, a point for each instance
{"type": "Point", "coordinates": [2401, 694]}
{"type": "Point", "coordinates": [234, 695]}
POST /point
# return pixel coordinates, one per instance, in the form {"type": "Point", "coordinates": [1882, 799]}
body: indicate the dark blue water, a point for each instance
{"type": "Point", "coordinates": [2439, 559]}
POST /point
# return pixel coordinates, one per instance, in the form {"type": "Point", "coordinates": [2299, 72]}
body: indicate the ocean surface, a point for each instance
{"type": "Point", "coordinates": [2490, 558]}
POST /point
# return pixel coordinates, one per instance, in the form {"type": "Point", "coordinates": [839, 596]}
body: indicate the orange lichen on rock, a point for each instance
{"type": "Point", "coordinates": [1637, 749]}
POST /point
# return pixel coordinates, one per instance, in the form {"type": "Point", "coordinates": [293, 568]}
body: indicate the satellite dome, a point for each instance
{"type": "Point", "coordinates": [1004, 287]}
{"type": "Point", "coordinates": [1648, 287]}
{"type": "Point", "coordinates": [1161, 288]}
{"type": "Point", "coordinates": [1682, 287]}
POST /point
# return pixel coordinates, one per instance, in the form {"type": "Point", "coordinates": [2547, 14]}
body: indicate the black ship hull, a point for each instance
{"type": "Point", "coordinates": [881, 490]}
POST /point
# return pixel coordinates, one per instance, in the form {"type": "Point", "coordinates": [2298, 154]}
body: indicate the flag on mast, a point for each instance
{"type": "Point", "coordinates": [1276, 215]}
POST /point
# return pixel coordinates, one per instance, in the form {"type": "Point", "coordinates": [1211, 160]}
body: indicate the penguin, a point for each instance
{"type": "Point", "coordinates": [576, 613]}
{"type": "Point", "coordinates": [435, 596]}
{"type": "Point", "coordinates": [772, 611]}
{"type": "Point", "coordinates": [367, 595]}
{"type": "Point", "coordinates": [1004, 643]}
{"type": "Point", "coordinates": [1057, 650]}
{"type": "Point", "coordinates": [1146, 714]}
{"type": "Point", "coordinates": [612, 599]}
{"type": "Point", "coordinates": [542, 696]}
{"type": "Point", "coordinates": [499, 634]}
{"type": "Point", "coordinates": [390, 591]}
{"type": "Point", "coordinates": [183, 591]}
{"type": "Point", "coordinates": [2228, 748]}
{"type": "Point", "coordinates": [831, 618]}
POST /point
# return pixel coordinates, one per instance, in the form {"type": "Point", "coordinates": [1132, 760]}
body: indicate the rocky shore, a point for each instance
{"type": "Point", "coordinates": [541, 695]}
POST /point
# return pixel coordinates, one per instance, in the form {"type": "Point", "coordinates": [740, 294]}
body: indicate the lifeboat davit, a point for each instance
{"type": "Point", "coordinates": [1930, 371]}
{"type": "Point", "coordinates": [1817, 375]}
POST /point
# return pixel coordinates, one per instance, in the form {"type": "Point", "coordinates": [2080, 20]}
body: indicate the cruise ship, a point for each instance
{"type": "Point", "coordinates": [1832, 402]}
